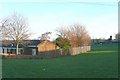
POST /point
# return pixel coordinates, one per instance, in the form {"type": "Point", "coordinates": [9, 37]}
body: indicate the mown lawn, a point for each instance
{"type": "Point", "coordinates": [101, 62]}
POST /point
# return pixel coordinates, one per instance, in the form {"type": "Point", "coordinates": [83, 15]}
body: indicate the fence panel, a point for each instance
{"type": "Point", "coordinates": [52, 53]}
{"type": "Point", "coordinates": [78, 50]}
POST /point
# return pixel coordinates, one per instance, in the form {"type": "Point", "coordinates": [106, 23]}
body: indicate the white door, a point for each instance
{"type": "Point", "coordinates": [33, 51]}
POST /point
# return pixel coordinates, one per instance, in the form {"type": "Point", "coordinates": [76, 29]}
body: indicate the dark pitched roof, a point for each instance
{"type": "Point", "coordinates": [31, 42]}
{"type": "Point", "coordinates": [10, 43]}
{"type": "Point", "coordinates": [7, 43]}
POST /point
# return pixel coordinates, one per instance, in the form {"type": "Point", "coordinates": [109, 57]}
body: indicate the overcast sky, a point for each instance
{"type": "Point", "coordinates": [99, 18]}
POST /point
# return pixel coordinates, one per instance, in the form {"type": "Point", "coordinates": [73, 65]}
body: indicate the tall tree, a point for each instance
{"type": "Point", "coordinates": [62, 42]}
{"type": "Point", "coordinates": [76, 34]}
{"type": "Point", "coordinates": [79, 35]}
{"type": "Point", "coordinates": [16, 29]}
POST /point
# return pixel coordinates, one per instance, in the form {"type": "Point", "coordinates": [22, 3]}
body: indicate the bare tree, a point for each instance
{"type": "Point", "coordinates": [61, 31]}
{"type": "Point", "coordinates": [76, 34]}
{"type": "Point", "coordinates": [45, 36]}
{"type": "Point", "coordinates": [16, 29]}
{"type": "Point", "coordinates": [2, 25]}
{"type": "Point", "coordinates": [81, 34]}
{"type": "Point", "coordinates": [2, 28]}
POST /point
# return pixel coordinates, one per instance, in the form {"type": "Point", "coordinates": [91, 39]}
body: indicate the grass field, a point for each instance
{"type": "Point", "coordinates": [101, 62]}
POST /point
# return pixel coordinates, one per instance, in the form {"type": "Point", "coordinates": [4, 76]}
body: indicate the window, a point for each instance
{"type": "Point", "coordinates": [19, 51]}
{"type": "Point", "coordinates": [9, 50]}
{"type": "Point", "coordinates": [5, 50]}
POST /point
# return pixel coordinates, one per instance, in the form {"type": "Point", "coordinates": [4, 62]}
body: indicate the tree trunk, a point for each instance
{"type": "Point", "coordinates": [17, 49]}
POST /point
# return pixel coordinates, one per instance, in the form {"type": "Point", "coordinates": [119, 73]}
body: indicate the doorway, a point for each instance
{"type": "Point", "coordinates": [33, 51]}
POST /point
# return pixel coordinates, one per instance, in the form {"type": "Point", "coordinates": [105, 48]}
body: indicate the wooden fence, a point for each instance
{"type": "Point", "coordinates": [78, 50]}
{"type": "Point", "coordinates": [62, 52]}
{"type": "Point", "coordinates": [49, 54]}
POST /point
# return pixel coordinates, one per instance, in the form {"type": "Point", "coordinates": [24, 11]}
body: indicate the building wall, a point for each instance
{"type": "Point", "coordinates": [1, 50]}
{"type": "Point", "coordinates": [11, 50]}
{"type": "Point", "coordinates": [29, 51]}
{"type": "Point", "coordinates": [46, 46]}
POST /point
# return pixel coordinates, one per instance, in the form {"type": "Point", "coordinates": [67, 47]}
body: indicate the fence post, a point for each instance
{"type": "Point", "coordinates": [61, 52]}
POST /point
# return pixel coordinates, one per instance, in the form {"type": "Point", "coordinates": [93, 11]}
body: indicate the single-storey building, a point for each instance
{"type": "Point", "coordinates": [28, 47]}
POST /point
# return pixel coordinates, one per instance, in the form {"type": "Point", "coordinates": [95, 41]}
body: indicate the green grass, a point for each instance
{"type": "Point", "coordinates": [101, 62]}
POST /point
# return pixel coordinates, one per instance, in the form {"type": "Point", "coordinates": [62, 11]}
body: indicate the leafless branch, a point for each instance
{"type": "Point", "coordinates": [16, 29]}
